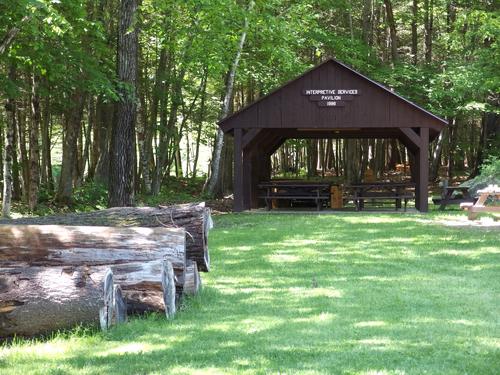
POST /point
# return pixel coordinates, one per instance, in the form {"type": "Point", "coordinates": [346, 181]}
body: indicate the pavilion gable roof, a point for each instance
{"type": "Point", "coordinates": [332, 95]}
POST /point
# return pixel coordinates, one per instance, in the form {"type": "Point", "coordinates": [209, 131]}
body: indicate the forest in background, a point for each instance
{"type": "Point", "coordinates": [127, 91]}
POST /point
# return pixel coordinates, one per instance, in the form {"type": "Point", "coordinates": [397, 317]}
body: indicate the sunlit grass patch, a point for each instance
{"type": "Point", "coordinates": [311, 294]}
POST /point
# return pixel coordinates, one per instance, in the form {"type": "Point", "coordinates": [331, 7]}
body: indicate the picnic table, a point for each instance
{"type": "Point", "coordinates": [450, 196]}
{"type": "Point", "coordinates": [382, 191]}
{"type": "Point", "coordinates": [492, 191]}
{"type": "Point", "coordinates": [295, 191]}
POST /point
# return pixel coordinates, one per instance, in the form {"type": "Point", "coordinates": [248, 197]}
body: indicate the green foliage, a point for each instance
{"type": "Point", "coordinates": [314, 294]}
{"type": "Point", "coordinates": [71, 46]}
{"type": "Point", "coordinates": [90, 196]}
{"type": "Point", "coordinates": [62, 43]}
{"type": "Point", "coordinates": [176, 190]}
{"type": "Point", "coordinates": [490, 175]}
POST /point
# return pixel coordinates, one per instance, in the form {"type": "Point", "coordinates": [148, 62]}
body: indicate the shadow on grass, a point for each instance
{"type": "Point", "coordinates": [348, 339]}
{"type": "Point", "coordinates": [315, 294]}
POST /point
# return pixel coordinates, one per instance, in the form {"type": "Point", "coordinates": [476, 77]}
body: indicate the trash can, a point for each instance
{"type": "Point", "coordinates": [336, 197]}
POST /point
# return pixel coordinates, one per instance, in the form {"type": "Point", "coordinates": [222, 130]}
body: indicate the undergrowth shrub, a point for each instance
{"type": "Point", "coordinates": [490, 175]}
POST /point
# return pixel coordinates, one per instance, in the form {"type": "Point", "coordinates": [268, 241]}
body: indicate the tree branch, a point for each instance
{"type": "Point", "coordinates": [11, 34]}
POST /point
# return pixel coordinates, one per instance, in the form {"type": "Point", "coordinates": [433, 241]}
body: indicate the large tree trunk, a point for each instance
{"type": "Point", "coordinates": [10, 109]}
{"type": "Point", "coordinates": [226, 103]}
{"type": "Point", "coordinates": [490, 139]}
{"type": "Point", "coordinates": [452, 138]}
{"type": "Point", "coordinates": [96, 138]}
{"type": "Point", "coordinates": [392, 30]}
{"type": "Point", "coordinates": [163, 92]}
{"type": "Point", "coordinates": [35, 300]}
{"type": "Point", "coordinates": [149, 117]}
{"type": "Point", "coordinates": [8, 158]}
{"type": "Point", "coordinates": [201, 116]}
{"type": "Point", "coordinates": [71, 128]}
{"type": "Point", "coordinates": [16, 168]}
{"type": "Point", "coordinates": [351, 167]}
{"type": "Point", "coordinates": [21, 123]}
{"type": "Point", "coordinates": [104, 121]}
{"type": "Point", "coordinates": [414, 32]}
{"type": "Point", "coordinates": [46, 169]}
{"type": "Point", "coordinates": [122, 156]}
{"type": "Point", "coordinates": [367, 27]}
{"type": "Point", "coordinates": [34, 146]}
{"type": "Point", "coordinates": [168, 131]}
{"type": "Point", "coordinates": [367, 31]}
{"type": "Point", "coordinates": [436, 157]}
{"type": "Point", "coordinates": [428, 27]}
{"type": "Point", "coordinates": [85, 160]}
{"type": "Point", "coordinates": [312, 157]}
{"type": "Point", "coordinates": [363, 162]}
{"type": "Point", "coordinates": [194, 218]}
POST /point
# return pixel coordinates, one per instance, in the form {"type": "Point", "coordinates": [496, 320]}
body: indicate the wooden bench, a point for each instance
{"type": "Point", "coordinates": [473, 209]}
{"type": "Point", "coordinates": [398, 199]}
{"type": "Point", "coordinates": [453, 195]}
{"type": "Point", "coordinates": [294, 192]}
{"type": "Point", "coordinates": [381, 191]}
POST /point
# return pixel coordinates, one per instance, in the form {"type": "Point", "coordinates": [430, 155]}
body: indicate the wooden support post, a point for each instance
{"type": "Point", "coordinates": [247, 180]}
{"type": "Point", "coordinates": [418, 148]}
{"type": "Point", "coordinates": [416, 177]}
{"type": "Point", "coordinates": [255, 167]}
{"type": "Point", "coordinates": [238, 170]}
{"type": "Point", "coordinates": [250, 146]}
{"type": "Point", "coordinates": [422, 164]}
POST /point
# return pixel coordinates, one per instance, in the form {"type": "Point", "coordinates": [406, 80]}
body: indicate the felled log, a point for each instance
{"type": "Point", "coordinates": [147, 286]}
{"type": "Point", "coordinates": [35, 300]}
{"type": "Point", "coordinates": [192, 280]}
{"type": "Point", "coordinates": [56, 245]}
{"type": "Point", "coordinates": [194, 218]}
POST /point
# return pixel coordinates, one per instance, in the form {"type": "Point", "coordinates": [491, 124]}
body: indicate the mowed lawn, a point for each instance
{"type": "Point", "coordinates": [311, 294]}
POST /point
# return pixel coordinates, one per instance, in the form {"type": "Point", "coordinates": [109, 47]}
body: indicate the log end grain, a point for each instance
{"type": "Point", "coordinates": [119, 306]}
{"type": "Point", "coordinates": [168, 284]}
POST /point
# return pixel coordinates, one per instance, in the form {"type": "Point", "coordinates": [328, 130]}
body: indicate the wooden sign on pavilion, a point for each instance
{"type": "Point", "coordinates": [329, 101]}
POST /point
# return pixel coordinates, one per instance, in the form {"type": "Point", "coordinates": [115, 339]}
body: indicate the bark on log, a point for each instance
{"type": "Point", "coordinates": [194, 218]}
{"type": "Point", "coordinates": [147, 286]}
{"type": "Point", "coordinates": [192, 280]}
{"type": "Point", "coordinates": [55, 245]}
{"type": "Point", "coordinates": [37, 300]}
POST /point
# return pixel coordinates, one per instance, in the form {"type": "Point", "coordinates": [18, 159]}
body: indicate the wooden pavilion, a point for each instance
{"type": "Point", "coordinates": [329, 101]}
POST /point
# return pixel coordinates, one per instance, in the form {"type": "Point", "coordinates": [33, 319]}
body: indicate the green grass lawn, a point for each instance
{"type": "Point", "coordinates": [311, 294]}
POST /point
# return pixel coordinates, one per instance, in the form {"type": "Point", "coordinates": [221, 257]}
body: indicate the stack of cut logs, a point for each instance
{"type": "Point", "coordinates": [60, 271]}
